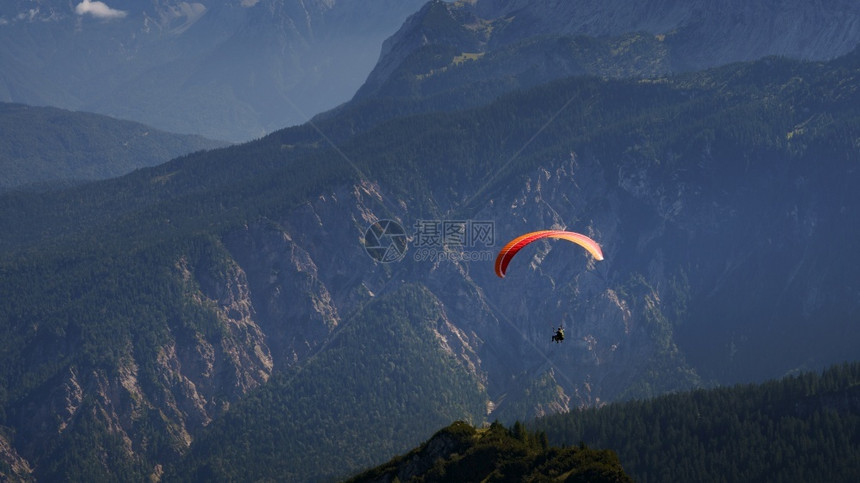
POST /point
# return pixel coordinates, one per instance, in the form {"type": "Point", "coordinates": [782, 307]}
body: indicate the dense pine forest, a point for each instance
{"type": "Point", "coordinates": [461, 452]}
{"type": "Point", "coordinates": [804, 427]}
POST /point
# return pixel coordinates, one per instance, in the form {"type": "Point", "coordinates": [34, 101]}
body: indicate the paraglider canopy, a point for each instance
{"type": "Point", "coordinates": [506, 254]}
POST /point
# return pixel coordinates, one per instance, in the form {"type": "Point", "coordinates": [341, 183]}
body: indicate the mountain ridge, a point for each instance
{"type": "Point", "coordinates": [44, 146]}
{"type": "Point", "coordinates": [662, 37]}
{"type": "Point", "coordinates": [494, 453]}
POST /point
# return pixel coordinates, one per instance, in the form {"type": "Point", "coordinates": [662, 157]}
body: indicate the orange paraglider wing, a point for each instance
{"type": "Point", "coordinates": [506, 254]}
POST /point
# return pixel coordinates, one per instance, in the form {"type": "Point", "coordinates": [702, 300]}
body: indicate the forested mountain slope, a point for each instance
{"type": "Point", "coordinates": [461, 452]}
{"type": "Point", "coordinates": [44, 146]}
{"type": "Point", "coordinates": [801, 428]}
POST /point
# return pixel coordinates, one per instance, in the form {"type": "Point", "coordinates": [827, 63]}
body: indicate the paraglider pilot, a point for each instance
{"type": "Point", "coordinates": [559, 335]}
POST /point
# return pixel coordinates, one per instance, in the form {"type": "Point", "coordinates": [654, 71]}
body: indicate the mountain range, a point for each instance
{"type": "Point", "coordinates": [238, 69]}
{"type": "Point", "coordinates": [228, 314]}
{"type": "Point", "coordinates": [232, 70]}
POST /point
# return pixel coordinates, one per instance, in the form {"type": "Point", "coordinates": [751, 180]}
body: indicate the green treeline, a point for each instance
{"type": "Point", "coordinates": [800, 428]}
{"type": "Point", "coordinates": [461, 452]}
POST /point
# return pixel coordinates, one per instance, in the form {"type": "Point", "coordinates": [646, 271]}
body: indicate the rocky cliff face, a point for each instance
{"type": "Point", "coordinates": [740, 30]}
{"type": "Point", "coordinates": [149, 403]}
{"type": "Point", "coordinates": [719, 32]}
{"type": "Point", "coordinates": [308, 272]}
{"type": "Point", "coordinates": [15, 468]}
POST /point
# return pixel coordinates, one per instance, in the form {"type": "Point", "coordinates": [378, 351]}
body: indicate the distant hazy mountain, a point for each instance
{"type": "Point", "coordinates": [226, 69]}
{"type": "Point", "coordinates": [523, 42]}
{"type": "Point", "coordinates": [44, 146]}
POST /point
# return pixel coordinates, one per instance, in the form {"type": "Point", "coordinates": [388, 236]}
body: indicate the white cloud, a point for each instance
{"type": "Point", "coordinates": [28, 15]}
{"type": "Point", "coordinates": [99, 10]}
